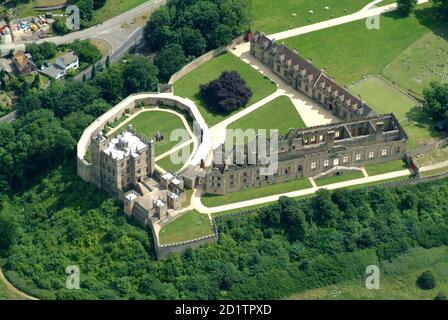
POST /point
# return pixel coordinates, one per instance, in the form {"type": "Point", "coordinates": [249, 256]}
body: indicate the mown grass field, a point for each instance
{"type": "Point", "coordinates": [385, 98]}
{"type": "Point", "coordinates": [376, 169]}
{"type": "Point", "coordinates": [422, 62]}
{"type": "Point", "coordinates": [168, 165]}
{"type": "Point", "coordinates": [398, 279]}
{"type": "Point", "coordinates": [351, 51]}
{"type": "Point", "coordinates": [113, 8]}
{"type": "Point", "coordinates": [279, 114]}
{"type": "Point", "coordinates": [343, 177]}
{"type": "Point", "coordinates": [191, 225]}
{"type": "Point", "coordinates": [148, 123]}
{"type": "Point", "coordinates": [270, 17]}
{"type": "Point", "coordinates": [188, 86]}
{"type": "Point", "coordinates": [210, 200]}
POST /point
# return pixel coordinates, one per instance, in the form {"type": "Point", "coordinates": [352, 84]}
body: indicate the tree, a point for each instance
{"type": "Point", "coordinates": [59, 27]}
{"type": "Point", "coordinates": [436, 102]}
{"type": "Point", "coordinates": [36, 82]}
{"type": "Point", "coordinates": [221, 36]}
{"type": "Point", "coordinates": [28, 103]}
{"type": "Point", "coordinates": [86, 51]}
{"type": "Point", "coordinates": [157, 31]}
{"type": "Point", "coordinates": [325, 210]}
{"type": "Point", "coordinates": [107, 62]}
{"type": "Point", "coordinates": [442, 3]}
{"type": "Point", "coordinates": [8, 230]}
{"type": "Point", "coordinates": [192, 42]}
{"type": "Point", "coordinates": [427, 280]}
{"type": "Point", "coordinates": [140, 75]}
{"type": "Point", "coordinates": [86, 9]}
{"type": "Point", "coordinates": [406, 7]}
{"type": "Point", "coordinates": [97, 108]}
{"type": "Point", "coordinates": [76, 122]}
{"type": "Point", "coordinates": [111, 83]}
{"type": "Point", "coordinates": [227, 93]}
{"type": "Point", "coordinates": [441, 296]}
{"type": "Point", "coordinates": [169, 60]}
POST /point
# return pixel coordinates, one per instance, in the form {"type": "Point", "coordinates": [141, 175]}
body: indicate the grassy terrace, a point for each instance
{"type": "Point", "coordinates": [278, 114]}
{"type": "Point", "coordinates": [343, 177]}
{"type": "Point", "coordinates": [147, 123]}
{"type": "Point", "coordinates": [376, 169]}
{"type": "Point", "coordinates": [385, 98]}
{"type": "Point", "coordinates": [113, 8]}
{"type": "Point", "coordinates": [375, 48]}
{"type": "Point", "coordinates": [167, 164]}
{"type": "Point", "coordinates": [398, 279]}
{"type": "Point", "coordinates": [188, 86]}
{"type": "Point", "coordinates": [210, 200]}
{"type": "Point", "coordinates": [270, 17]}
{"type": "Point", "coordinates": [191, 225]}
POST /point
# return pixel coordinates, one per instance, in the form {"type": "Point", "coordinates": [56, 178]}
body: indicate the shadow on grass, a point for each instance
{"type": "Point", "coordinates": [421, 119]}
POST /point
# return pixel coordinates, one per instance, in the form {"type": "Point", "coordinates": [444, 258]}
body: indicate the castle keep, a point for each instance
{"type": "Point", "coordinates": [124, 167]}
{"type": "Point", "coordinates": [363, 138]}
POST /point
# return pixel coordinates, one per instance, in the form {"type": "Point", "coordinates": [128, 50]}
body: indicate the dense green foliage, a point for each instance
{"type": "Point", "coordinates": [427, 280]}
{"type": "Point", "coordinates": [227, 93]}
{"type": "Point", "coordinates": [436, 102]}
{"type": "Point", "coordinates": [288, 247]}
{"type": "Point", "coordinates": [182, 30]}
{"type": "Point", "coordinates": [406, 7]}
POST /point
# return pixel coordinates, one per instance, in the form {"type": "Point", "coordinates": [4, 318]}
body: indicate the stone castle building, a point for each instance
{"type": "Point", "coordinates": [362, 138]}
{"type": "Point", "coordinates": [125, 167]}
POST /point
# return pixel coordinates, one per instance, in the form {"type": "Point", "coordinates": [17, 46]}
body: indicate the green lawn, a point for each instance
{"type": "Point", "coordinates": [434, 172]}
{"type": "Point", "coordinates": [191, 225]}
{"type": "Point", "coordinates": [279, 114]}
{"type": "Point", "coordinates": [351, 51]}
{"type": "Point", "coordinates": [7, 294]}
{"type": "Point", "coordinates": [422, 62]}
{"type": "Point", "coordinates": [270, 17]}
{"type": "Point", "coordinates": [211, 200]}
{"type": "Point", "coordinates": [167, 164]}
{"type": "Point", "coordinates": [385, 98]}
{"type": "Point", "coordinates": [188, 86]}
{"type": "Point", "coordinates": [147, 124]}
{"type": "Point", "coordinates": [376, 169]}
{"type": "Point", "coordinates": [398, 279]}
{"type": "Point", "coordinates": [113, 8]}
{"type": "Point", "coordinates": [343, 177]}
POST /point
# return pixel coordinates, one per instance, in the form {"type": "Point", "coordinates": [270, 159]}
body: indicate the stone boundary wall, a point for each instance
{"type": "Point", "coordinates": [128, 105]}
{"type": "Point", "coordinates": [203, 59]}
{"type": "Point", "coordinates": [163, 251]}
{"type": "Point", "coordinates": [54, 7]}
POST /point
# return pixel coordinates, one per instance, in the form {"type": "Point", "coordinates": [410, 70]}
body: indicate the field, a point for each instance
{"type": "Point", "coordinates": [148, 123]}
{"type": "Point", "coordinates": [191, 225]}
{"type": "Point", "coordinates": [424, 61]}
{"type": "Point", "coordinates": [385, 98]}
{"type": "Point", "coordinates": [343, 177]}
{"type": "Point", "coordinates": [270, 17]}
{"type": "Point", "coordinates": [168, 165]}
{"type": "Point", "coordinates": [210, 200]}
{"type": "Point", "coordinates": [376, 169]}
{"type": "Point", "coordinates": [188, 86]}
{"type": "Point", "coordinates": [350, 51]}
{"type": "Point", "coordinates": [397, 279]}
{"type": "Point", "coordinates": [278, 114]}
{"type": "Point", "coordinates": [113, 8]}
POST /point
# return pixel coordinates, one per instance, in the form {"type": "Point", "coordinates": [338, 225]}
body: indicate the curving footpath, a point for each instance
{"type": "Point", "coordinates": [14, 289]}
